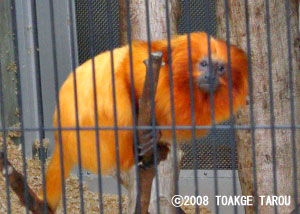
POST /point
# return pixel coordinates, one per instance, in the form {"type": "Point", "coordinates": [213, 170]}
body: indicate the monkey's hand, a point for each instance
{"type": "Point", "coordinates": [148, 139]}
{"type": "Point", "coordinates": [147, 162]}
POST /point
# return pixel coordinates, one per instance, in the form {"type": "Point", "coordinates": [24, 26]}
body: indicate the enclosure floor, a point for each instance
{"type": "Point", "coordinates": [91, 199]}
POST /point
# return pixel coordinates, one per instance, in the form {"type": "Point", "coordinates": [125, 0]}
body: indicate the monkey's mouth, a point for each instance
{"type": "Point", "coordinates": [206, 87]}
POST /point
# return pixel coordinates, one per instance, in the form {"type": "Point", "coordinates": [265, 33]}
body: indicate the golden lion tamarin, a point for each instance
{"type": "Point", "coordinates": [204, 78]}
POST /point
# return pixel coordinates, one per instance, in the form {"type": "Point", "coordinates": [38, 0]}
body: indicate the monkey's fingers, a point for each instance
{"type": "Point", "coordinates": [146, 147]}
{"type": "Point", "coordinates": [147, 141]}
{"type": "Point", "coordinates": [147, 134]}
{"type": "Point", "coordinates": [146, 162]}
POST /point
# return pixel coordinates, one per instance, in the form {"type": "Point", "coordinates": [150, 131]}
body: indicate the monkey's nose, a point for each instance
{"type": "Point", "coordinates": [207, 82]}
{"type": "Point", "coordinates": [208, 77]}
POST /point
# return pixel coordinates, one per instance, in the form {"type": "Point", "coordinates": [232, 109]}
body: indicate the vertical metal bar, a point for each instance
{"type": "Point", "coordinates": [92, 53]}
{"type": "Point", "coordinates": [59, 129]}
{"type": "Point", "coordinates": [176, 174]}
{"type": "Point", "coordinates": [190, 66]}
{"type": "Point", "coordinates": [272, 117]}
{"type": "Point", "coordinates": [231, 118]}
{"type": "Point", "coordinates": [252, 123]}
{"type": "Point", "coordinates": [212, 113]}
{"type": "Point", "coordinates": [292, 103]}
{"type": "Point", "coordinates": [37, 61]}
{"type": "Point", "coordinates": [152, 104]}
{"type": "Point", "coordinates": [4, 135]}
{"type": "Point", "coordinates": [73, 67]}
{"type": "Point", "coordinates": [39, 100]}
{"type": "Point", "coordinates": [133, 101]}
{"type": "Point", "coordinates": [116, 128]}
{"type": "Point", "coordinates": [20, 101]}
{"type": "Point", "coordinates": [26, 59]}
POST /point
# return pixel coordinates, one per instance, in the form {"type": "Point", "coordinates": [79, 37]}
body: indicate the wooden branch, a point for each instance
{"type": "Point", "coordinates": [146, 175]}
{"type": "Point", "coordinates": [17, 184]}
{"type": "Point", "coordinates": [144, 116]}
{"type": "Point", "coordinates": [145, 107]}
{"type": "Point", "coordinates": [158, 29]}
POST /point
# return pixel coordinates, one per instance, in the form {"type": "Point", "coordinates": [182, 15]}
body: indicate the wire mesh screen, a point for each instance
{"type": "Point", "coordinates": [202, 14]}
{"type": "Point", "coordinates": [101, 30]}
{"type": "Point", "coordinates": [199, 22]}
{"type": "Point", "coordinates": [198, 17]}
{"type": "Point", "coordinates": [205, 151]}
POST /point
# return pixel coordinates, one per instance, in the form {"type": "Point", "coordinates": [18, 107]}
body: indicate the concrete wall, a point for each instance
{"type": "Point", "coordinates": [8, 65]}
{"type": "Point", "coordinates": [36, 57]}
{"type": "Point", "coordinates": [205, 182]}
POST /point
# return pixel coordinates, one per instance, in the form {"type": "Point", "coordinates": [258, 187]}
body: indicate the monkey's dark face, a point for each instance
{"type": "Point", "coordinates": [210, 75]}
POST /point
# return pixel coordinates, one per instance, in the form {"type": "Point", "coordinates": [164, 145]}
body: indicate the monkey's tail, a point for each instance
{"type": "Point", "coordinates": [54, 176]}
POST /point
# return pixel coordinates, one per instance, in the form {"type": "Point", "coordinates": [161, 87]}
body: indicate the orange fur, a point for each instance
{"type": "Point", "coordinates": [84, 76]}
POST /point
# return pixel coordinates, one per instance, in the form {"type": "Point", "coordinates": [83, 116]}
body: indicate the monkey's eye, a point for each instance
{"type": "Point", "coordinates": [203, 63]}
{"type": "Point", "coordinates": [221, 68]}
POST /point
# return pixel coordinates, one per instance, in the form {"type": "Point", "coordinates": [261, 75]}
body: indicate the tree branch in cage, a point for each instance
{"type": "Point", "coordinates": [17, 183]}
{"type": "Point", "coordinates": [147, 138]}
